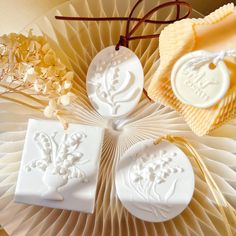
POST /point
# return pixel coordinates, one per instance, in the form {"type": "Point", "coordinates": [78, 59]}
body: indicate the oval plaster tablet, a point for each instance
{"type": "Point", "coordinates": [195, 83]}
{"type": "Point", "coordinates": [115, 81]}
{"type": "Point", "coordinates": [154, 182]}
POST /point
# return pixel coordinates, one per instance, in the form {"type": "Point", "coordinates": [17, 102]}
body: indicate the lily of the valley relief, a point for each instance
{"type": "Point", "coordinates": [59, 162]}
{"type": "Point", "coordinates": [148, 174]}
{"type": "Point", "coordinates": [112, 86]}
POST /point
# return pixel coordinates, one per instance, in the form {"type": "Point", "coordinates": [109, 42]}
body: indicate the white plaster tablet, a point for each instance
{"type": "Point", "coordinates": [195, 83]}
{"type": "Point", "coordinates": [59, 168]}
{"type": "Point", "coordinates": [115, 81]}
{"type": "Point", "coordinates": [154, 182]}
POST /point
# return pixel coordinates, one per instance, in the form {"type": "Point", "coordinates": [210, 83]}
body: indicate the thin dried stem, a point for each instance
{"type": "Point", "coordinates": [22, 103]}
{"type": "Point", "coordinates": [17, 91]}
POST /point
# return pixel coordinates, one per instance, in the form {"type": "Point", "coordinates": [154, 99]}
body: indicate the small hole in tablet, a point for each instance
{"type": "Point", "coordinates": [212, 66]}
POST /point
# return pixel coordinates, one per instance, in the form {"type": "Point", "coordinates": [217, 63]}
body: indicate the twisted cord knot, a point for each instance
{"type": "Point", "coordinates": [123, 41]}
{"type": "Point", "coordinates": [220, 57]}
{"type": "Point", "coordinates": [224, 53]}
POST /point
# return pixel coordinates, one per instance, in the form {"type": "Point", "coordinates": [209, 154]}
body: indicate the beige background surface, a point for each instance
{"type": "Point", "coordinates": [16, 14]}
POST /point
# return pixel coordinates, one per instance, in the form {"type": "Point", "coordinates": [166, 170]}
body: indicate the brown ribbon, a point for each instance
{"type": "Point", "coordinates": [124, 39]}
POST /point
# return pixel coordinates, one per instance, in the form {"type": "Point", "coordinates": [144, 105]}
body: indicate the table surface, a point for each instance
{"type": "Point", "coordinates": [16, 14]}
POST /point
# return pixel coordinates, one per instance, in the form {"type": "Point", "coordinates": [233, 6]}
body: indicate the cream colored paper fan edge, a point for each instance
{"type": "Point", "coordinates": [77, 43]}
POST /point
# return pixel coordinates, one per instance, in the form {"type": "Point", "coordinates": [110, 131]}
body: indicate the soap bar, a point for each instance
{"type": "Point", "coordinates": [59, 168]}
{"type": "Point", "coordinates": [115, 81]}
{"type": "Point", "coordinates": [214, 33]}
{"type": "Point", "coordinates": [154, 182]}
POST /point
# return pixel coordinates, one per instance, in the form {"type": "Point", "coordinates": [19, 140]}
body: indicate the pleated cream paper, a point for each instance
{"type": "Point", "coordinates": [76, 44]}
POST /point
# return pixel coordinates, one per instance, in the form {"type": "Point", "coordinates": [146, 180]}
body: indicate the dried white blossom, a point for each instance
{"type": "Point", "coordinates": [29, 64]}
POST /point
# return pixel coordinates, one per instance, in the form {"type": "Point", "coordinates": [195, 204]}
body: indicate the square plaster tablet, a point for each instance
{"type": "Point", "coordinates": [59, 168]}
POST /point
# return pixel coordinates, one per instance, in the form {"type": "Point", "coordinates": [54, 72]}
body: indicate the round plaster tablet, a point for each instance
{"type": "Point", "coordinates": [154, 182]}
{"type": "Point", "coordinates": [115, 81]}
{"type": "Point", "coordinates": [196, 83]}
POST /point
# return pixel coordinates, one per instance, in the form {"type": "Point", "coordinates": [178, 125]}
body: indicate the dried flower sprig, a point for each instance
{"type": "Point", "coordinates": [30, 67]}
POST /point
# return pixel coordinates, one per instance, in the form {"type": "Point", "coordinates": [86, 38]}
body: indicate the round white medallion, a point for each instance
{"type": "Point", "coordinates": [115, 81]}
{"type": "Point", "coordinates": [154, 182]}
{"type": "Point", "coordinates": [196, 83]}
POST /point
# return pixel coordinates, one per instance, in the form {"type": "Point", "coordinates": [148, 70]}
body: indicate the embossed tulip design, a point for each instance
{"type": "Point", "coordinates": [60, 162]}
{"type": "Point", "coordinates": [109, 83]}
{"type": "Point", "coordinates": [147, 174]}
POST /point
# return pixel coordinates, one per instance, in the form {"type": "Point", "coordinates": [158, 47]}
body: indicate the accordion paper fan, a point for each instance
{"type": "Point", "coordinates": [77, 43]}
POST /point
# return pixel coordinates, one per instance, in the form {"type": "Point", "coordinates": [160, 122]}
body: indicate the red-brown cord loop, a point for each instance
{"type": "Point", "coordinates": [128, 34]}
{"type": "Point", "coordinates": [124, 39]}
{"type": "Point", "coordinates": [128, 24]}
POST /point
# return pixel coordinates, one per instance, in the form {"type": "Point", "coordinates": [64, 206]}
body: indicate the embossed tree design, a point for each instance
{"type": "Point", "coordinates": [60, 161]}
{"type": "Point", "coordinates": [148, 173]}
{"type": "Point", "coordinates": [108, 83]}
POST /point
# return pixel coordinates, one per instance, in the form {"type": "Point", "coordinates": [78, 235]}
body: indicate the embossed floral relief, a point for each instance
{"type": "Point", "coordinates": [109, 83]}
{"type": "Point", "coordinates": [59, 162]}
{"type": "Point", "coordinates": [148, 173]}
